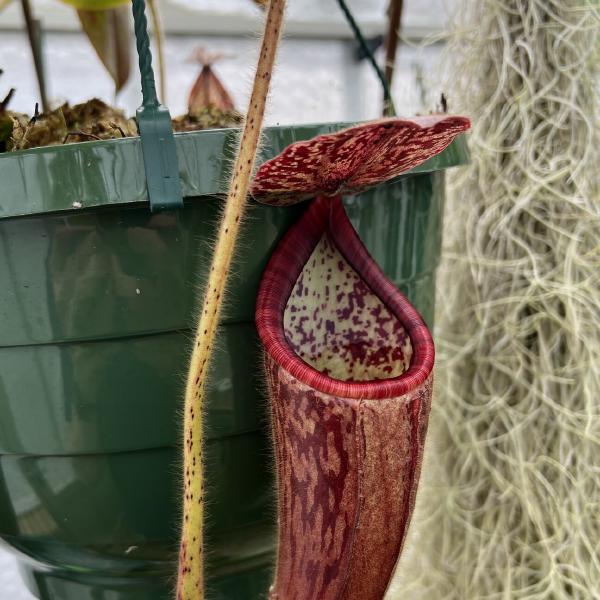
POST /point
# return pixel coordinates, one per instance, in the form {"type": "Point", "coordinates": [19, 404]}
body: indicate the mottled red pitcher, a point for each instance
{"type": "Point", "coordinates": [349, 367]}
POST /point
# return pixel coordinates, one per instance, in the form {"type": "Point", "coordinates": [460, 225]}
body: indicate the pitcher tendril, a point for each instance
{"type": "Point", "coordinates": [190, 581]}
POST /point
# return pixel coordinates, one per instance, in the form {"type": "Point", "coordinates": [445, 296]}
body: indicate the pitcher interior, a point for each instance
{"type": "Point", "coordinates": [336, 323]}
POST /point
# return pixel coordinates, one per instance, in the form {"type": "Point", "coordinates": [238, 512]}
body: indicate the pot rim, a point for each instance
{"type": "Point", "coordinates": [95, 174]}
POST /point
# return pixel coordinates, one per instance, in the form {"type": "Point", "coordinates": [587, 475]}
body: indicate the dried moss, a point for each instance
{"type": "Point", "coordinates": [94, 120]}
{"type": "Point", "coordinates": [208, 117]}
{"type": "Point", "coordinates": [91, 120]}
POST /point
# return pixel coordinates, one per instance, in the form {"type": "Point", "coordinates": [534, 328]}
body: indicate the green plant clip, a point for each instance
{"type": "Point", "coordinates": [154, 124]}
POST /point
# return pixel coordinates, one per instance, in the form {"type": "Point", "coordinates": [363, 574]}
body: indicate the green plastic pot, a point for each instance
{"type": "Point", "coordinates": [97, 297]}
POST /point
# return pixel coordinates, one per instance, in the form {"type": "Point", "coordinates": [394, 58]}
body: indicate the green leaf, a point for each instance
{"type": "Point", "coordinates": [108, 31]}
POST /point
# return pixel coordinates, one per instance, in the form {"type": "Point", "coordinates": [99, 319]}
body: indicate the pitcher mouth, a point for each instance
{"type": "Point", "coordinates": [327, 216]}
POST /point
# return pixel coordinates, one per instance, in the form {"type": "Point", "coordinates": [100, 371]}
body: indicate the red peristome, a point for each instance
{"type": "Point", "coordinates": [353, 159]}
{"type": "Point", "coordinates": [348, 445]}
{"type": "Point", "coordinates": [327, 216]}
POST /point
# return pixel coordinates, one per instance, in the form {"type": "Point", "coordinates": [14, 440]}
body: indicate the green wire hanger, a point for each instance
{"type": "Point", "coordinates": [360, 38]}
{"type": "Point", "coordinates": [154, 124]}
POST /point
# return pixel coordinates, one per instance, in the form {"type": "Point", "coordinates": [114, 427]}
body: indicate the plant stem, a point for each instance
{"type": "Point", "coordinates": [160, 49]}
{"type": "Point", "coordinates": [190, 583]}
{"type": "Point", "coordinates": [394, 19]}
{"type": "Point", "coordinates": [33, 33]}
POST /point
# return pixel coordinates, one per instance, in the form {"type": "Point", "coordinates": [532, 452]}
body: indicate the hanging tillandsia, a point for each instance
{"type": "Point", "coordinates": [349, 366]}
{"type": "Point", "coordinates": [513, 507]}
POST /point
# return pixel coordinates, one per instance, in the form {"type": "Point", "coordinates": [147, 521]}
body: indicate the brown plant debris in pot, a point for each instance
{"type": "Point", "coordinates": [91, 120]}
{"type": "Point", "coordinates": [208, 117]}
